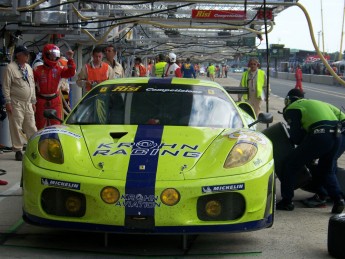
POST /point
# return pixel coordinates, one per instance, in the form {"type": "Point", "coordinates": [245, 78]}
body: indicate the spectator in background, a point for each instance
{"type": "Point", "coordinates": [150, 65]}
{"type": "Point", "coordinates": [211, 71]}
{"type": "Point", "coordinates": [139, 68]}
{"type": "Point", "coordinates": [188, 69]}
{"type": "Point", "coordinates": [94, 72]}
{"type": "Point", "coordinates": [158, 68]}
{"type": "Point", "coordinates": [299, 77]}
{"type": "Point", "coordinates": [47, 78]}
{"type": "Point", "coordinates": [171, 69]}
{"type": "Point", "coordinates": [110, 54]}
{"type": "Point", "coordinates": [255, 80]}
{"type": "Point", "coordinates": [19, 93]}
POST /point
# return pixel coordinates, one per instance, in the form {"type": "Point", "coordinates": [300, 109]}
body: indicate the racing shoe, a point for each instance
{"type": "Point", "coordinates": [338, 206]}
{"type": "Point", "coordinates": [19, 156]}
{"type": "Point", "coordinates": [315, 202]}
{"type": "Point", "coordinates": [285, 205]}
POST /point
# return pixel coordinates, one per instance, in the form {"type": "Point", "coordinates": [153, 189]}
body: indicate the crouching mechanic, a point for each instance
{"type": "Point", "coordinates": [47, 77]}
{"type": "Point", "coordinates": [314, 128]}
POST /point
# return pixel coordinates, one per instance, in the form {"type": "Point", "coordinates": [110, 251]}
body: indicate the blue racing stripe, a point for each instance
{"type": "Point", "coordinates": [160, 81]}
{"type": "Point", "coordinates": [142, 169]}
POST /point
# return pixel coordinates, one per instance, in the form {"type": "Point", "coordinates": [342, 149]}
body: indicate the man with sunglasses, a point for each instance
{"type": "Point", "coordinates": [255, 80]}
{"type": "Point", "coordinates": [315, 127]}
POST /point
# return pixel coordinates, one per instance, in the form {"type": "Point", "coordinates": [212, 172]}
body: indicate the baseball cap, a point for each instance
{"type": "Point", "coordinates": [21, 49]}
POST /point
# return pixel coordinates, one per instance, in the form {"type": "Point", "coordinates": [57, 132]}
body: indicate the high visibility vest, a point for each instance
{"type": "Point", "coordinates": [314, 112]}
{"type": "Point", "coordinates": [260, 81]}
{"type": "Point", "coordinates": [159, 69]}
{"type": "Point", "coordinates": [97, 74]}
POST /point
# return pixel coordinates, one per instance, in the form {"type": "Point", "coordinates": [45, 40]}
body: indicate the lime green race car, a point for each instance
{"type": "Point", "coordinates": [151, 155]}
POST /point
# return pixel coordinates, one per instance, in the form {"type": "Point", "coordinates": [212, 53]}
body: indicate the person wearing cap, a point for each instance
{"type": "Point", "coordinates": [171, 69]}
{"type": "Point", "coordinates": [18, 88]}
{"type": "Point", "coordinates": [255, 80]}
{"type": "Point", "coordinates": [94, 72]}
{"type": "Point", "coordinates": [158, 68]}
{"type": "Point", "coordinates": [316, 130]}
{"type": "Point", "coordinates": [47, 78]}
{"type": "Point", "coordinates": [110, 55]}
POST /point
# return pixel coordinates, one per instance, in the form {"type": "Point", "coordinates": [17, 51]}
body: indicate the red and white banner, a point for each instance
{"type": "Point", "coordinates": [313, 58]}
{"type": "Point", "coordinates": [219, 14]}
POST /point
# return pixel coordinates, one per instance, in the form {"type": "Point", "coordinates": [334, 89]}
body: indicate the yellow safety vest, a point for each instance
{"type": "Point", "coordinates": [159, 69]}
{"type": "Point", "coordinates": [260, 81]}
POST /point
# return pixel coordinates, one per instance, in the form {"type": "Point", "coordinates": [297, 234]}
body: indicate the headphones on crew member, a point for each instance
{"type": "Point", "coordinates": [289, 99]}
{"type": "Point", "coordinates": [292, 96]}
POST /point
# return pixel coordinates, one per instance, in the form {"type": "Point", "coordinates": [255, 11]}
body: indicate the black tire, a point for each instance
{"type": "Point", "coordinates": [336, 233]}
{"type": "Point", "coordinates": [282, 147]}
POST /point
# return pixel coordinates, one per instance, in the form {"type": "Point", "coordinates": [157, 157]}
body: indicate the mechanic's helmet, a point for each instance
{"type": "Point", "coordinates": [51, 54]}
{"type": "Point", "coordinates": [293, 95]}
{"type": "Point", "coordinates": [172, 57]}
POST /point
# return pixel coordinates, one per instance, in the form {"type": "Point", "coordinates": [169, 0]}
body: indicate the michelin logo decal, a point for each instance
{"type": "Point", "coordinates": [62, 184]}
{"type": "Point", "coordinates": [223, 188]}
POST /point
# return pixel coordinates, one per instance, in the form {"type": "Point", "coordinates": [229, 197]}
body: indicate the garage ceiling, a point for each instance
{"type": "Point", "coordinates": [201, 29]}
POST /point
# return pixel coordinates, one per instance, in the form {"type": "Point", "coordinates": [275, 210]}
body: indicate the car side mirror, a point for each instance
{"type": "Point", "coordinates": [51, 114]}
{"type": "Point", "coordinates": [263, 117]}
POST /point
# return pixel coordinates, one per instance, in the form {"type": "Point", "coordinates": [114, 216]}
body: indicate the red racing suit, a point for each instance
{"type": "Point", "coordinates": [47, 91]}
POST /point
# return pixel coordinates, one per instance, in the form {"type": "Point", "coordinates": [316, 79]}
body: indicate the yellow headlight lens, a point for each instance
{"type": "Point", "coordinates": [73, 204]}
{"type": "Point", "coordinates": [240, 154]}
{"type": "Point", "coordinates": [213, 208]}
{"type": "Point", "coordinates": [110, 194]}
{"type": "Point", "coordinates": [51, 150]}
{"type": "Point", "coordinates": [170, 196]}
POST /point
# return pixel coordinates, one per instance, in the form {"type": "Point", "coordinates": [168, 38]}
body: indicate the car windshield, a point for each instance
{"type": "Point", "coordinates": [178, 106]}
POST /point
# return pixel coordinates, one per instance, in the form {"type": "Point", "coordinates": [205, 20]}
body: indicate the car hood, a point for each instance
{"type": "Point", "coordinates": [166, 151]}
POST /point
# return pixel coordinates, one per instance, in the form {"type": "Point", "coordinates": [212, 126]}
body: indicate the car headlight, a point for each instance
{"type": "Point", "coordinates": [170, 196]}
{"type": "Point", "coordinates": [110, 194]}
{"type": "Point", "coordinates": [51, 150]}
{"type": "Point", "coordinates": [240, 154]}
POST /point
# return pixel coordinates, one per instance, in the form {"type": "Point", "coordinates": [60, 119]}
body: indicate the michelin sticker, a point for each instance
{"type": "Point", "coordinates": [223, 188]}
{"type": "Point", "coordinates": [58, 183]}
{"type": "Point", "coordinates": [138, 201]}
{"type": "Point", "coordinates": [56, 130]}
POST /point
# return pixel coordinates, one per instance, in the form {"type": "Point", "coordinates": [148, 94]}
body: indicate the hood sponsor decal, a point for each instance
{"type": "Point", "coordinates": [62, 184]}
{"type": "Point", "coordinates": [138, 201]}
{"type": "Point", "coordinates": [56, 130]}
{"type": "Point", "coordinates": [147, 147]}
{"type": "Point", "coordinates": [223, 188]}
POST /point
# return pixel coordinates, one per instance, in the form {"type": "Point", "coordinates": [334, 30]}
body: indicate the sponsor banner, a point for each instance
{"type": "Point", "coordinates": [313, 58]}
{"type": "Point", "coordinates": [223, 188]}
{"type": "Point", "coordinates": [219, 14]}
{"type": "Point", "coordinates": [61, 184]}
{"type": "Point", "coordinates": [56, 131]}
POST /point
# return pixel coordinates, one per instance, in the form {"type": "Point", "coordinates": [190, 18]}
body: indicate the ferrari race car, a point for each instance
{"type": "Point", "coordinates": [151, 155]}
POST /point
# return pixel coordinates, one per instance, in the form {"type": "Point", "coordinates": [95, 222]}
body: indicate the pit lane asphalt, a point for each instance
{"type": "Point", "coordinates": [301, 233]}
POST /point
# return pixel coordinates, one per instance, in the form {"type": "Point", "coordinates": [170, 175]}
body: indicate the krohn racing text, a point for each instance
{"type": "Point", "coordinates": [147, 147]}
